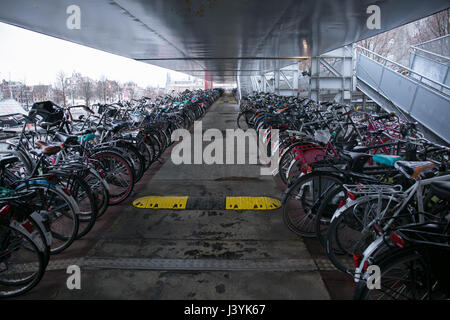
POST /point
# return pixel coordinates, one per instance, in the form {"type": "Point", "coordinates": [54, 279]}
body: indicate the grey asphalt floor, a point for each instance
{"type": "Point", "coordinates": [196, 254]}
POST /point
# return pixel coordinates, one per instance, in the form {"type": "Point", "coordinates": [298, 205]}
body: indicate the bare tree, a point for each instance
{"type": "Point", "coordinates": [391, 44]}
{"type": "Point", "coordinates": [87, 90]}
{"type": "Point", "coordinates": [394, 44]}
{"type": "Point", "coordinates": [61, 85]}
{"type": "Point", "coordinates": [76, 86]}
{"type": "Point", "coordinates": [113, 90]}
{"type": "Point", "coordinates": [101, 88]}
{"type": "Point", "coordinates": [431, 27]}
{"type": "Point", "coordinates": [119, 91]}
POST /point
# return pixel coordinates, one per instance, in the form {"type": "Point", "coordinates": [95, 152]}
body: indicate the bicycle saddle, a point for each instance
{"type": "Point", "coordinates": [66, 138]}
{"type": "Point", "coordinates": [116, 127]}
{"type": "Point", "coordinates": [356, 159]}
{"type": "Point", "coordinates": [80, 133]}
{"type": "Point", "coordinates": [414, 168]}
{"type": "Point", "coordinates": [355, 156]}
{"type": "Point", "coordinates": [48, 125]}
{"type": "Point", "coordinates": [48, 149]}
{"type": "Point", "coordinates": [386, 159]}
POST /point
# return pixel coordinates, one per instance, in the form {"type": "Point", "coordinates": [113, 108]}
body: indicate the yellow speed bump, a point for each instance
{"type": "Point", "coordinates": [252, 203]}
{"type": "Point", "coordinates": [161, 202]}
{"type": "Point", "coordinates": [207, 203]}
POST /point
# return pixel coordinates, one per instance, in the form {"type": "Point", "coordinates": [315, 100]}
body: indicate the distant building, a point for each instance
{"type": "Point", "coordinates": [16, 90]}
{"type": "Point", "coordinates": [181, 85]}
{"type": "Point", "coordinates": [6, 89]}
{"type": "Point", "coordinates": [41, 92]}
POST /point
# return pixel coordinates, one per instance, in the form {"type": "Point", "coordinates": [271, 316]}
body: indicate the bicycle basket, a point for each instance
{"type": "Point", "coordinates": [47, 111]}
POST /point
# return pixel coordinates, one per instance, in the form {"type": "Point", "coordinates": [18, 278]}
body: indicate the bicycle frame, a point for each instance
{"type": "Point", "coordinates": [415, 189]}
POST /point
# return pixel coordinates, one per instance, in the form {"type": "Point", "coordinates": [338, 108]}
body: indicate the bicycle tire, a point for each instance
{"type": "Point", "coordinates": [116, 197]}
{"type": "Point", "coordinates": [294, 214]}
{"type": "Point", "coordinates": [19, 287]}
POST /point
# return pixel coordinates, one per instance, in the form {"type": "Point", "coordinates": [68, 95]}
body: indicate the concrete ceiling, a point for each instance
{"type": "Point", "coordinates": [222, 38]}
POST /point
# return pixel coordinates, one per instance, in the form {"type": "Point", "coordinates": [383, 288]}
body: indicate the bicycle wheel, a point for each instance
{"type": "Point", "coordinates": [118, 173]}
{"type": "Point", "coordinates": [136, 159]}
{"type": "Point", "coordinates": [59, 211]}
{"type": "Point", "coordinates": [283, 165]}
{"type": "Point", "coordinates": [154, 142]}
{"type": "Point", "coordinates": [330, 203]}
{"type": "Point", "coordinates": [148, 152]}
{"type": "Point", "coordinates": [40, 234]}
{"type": "Point", "coordinates": [244, 120]}
{"type": "Point", "coordinates": [302, 200]}
{"type": "Point", "coordinates": [82, 193]}
{"type": "Point", "coordinates": [405, 275]}
{"type": "Point", "coordinates": [349, 233]}
{"type": "Point", "coordinates": [22, 264]}
{"type": "Point", "coordinates": [290, 164]}
{"type": "Point", "coordinates": [99, 188]}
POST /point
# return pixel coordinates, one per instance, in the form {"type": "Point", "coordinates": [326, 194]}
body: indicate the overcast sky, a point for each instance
{"type": "Point", "coordinates": [36, 59]}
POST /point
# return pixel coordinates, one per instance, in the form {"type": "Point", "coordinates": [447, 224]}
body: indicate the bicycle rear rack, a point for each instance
{"type": "Point", "coordinates": [374, 189]}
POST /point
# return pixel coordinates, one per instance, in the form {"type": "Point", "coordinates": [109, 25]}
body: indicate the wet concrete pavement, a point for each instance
{"type": "Point", "coordinates": [184, 254]}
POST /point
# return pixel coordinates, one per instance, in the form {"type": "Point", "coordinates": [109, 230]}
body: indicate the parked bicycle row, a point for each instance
{"type": "Point", "coordinates": [369, 187]}
{"type": "Point", "coordinates": [67, 165]}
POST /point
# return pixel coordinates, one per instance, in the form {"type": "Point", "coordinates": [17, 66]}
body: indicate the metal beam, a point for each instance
{"type": "Point", "coordinates": [286, 79]}
{"type": "Point", "coordinates": [271, 88]}
{"type": "Point", "coordinates": [329, 67]}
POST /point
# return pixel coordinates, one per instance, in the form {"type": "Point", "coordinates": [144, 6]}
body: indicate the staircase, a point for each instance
{"type": "Point", "coordinates": [410, 94]}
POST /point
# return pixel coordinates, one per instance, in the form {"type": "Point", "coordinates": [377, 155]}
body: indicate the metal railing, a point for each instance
{"type": "Point", "coordinates": [435, 48]}
{"type": "Point", "coordinates": [447, 59]}
{"type": "Point", "coordinates": [411, 93]}
{"type": "Point", "coordinates": [419, 78]}
{"type": "Point", "coordinates": [432, 59]}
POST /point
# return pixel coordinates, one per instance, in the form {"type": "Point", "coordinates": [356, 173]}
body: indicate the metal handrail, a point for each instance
{"type": "Point", "coordinates": [435, 39]}
{"type": "Point", "coordinates": [429, 52]}
{"type": "Point", "coordinates": [443, 86]}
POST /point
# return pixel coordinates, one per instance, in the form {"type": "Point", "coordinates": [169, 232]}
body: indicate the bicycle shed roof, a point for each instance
{"type": "Point", "coordinates": [213, 38]}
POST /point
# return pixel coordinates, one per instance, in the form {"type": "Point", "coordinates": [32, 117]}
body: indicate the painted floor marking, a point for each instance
{"type": "Point", "coordinates": [252, 203]}
{"type": "Point", "coordinates": [161, 202]}
{"type": "Point", "coordinates": [207, 203]}
{"type": "Point", "coordinates": [227, 101]}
